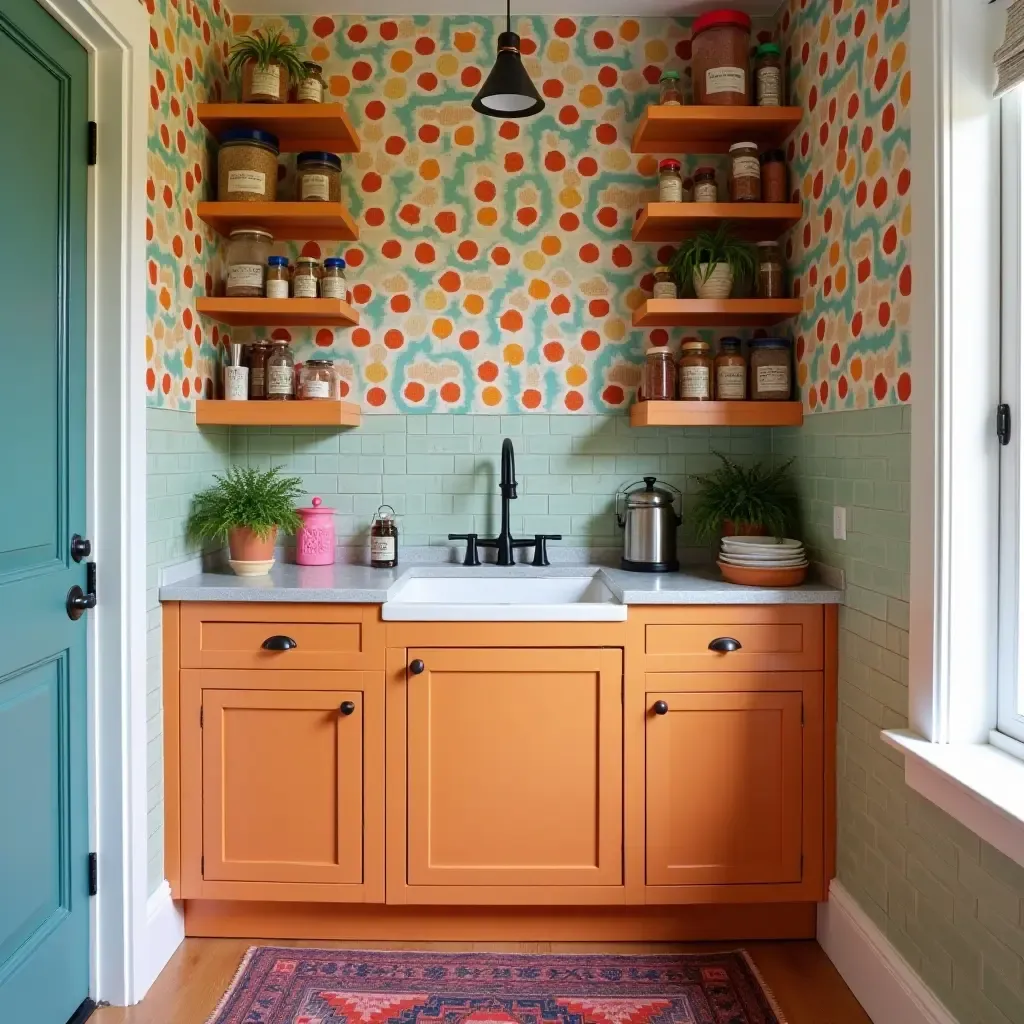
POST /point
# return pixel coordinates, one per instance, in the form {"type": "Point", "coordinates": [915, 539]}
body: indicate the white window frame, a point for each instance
{"type": "Point", "coordinates": [955, 340]}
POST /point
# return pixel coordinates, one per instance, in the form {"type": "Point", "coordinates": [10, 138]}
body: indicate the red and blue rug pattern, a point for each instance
{"type": "Point", "coordinates": [324, 986]}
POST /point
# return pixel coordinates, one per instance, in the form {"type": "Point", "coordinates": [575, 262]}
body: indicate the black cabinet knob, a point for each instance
{"type": "Point", "coordinates": [279, 643]}
{"type": "Point", "coordinates": [347, 707]}
{"type": "Point", "coordinates": [724, 645]}
{"type": "Point", "coordinates": [660, 707]}
{"type": "Point", "coordinates": [80, 548]}
{"type": "Point", "coordinates": [416, 667]}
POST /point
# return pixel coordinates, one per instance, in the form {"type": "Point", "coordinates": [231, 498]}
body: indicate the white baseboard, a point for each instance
{"type": "Point", "coordinates": [165, 931]}
{"type": "Point", "coordinates": [883, 982]}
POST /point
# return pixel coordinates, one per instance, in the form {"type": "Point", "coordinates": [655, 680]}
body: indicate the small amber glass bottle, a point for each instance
{"type": "Point", "coordinates": [384, 539]}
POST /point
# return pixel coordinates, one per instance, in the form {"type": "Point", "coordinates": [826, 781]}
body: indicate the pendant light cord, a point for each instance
{"type": "Point", "coordinates": [508, 15]}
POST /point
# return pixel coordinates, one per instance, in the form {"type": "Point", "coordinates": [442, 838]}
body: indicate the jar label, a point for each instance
{"type": "Point", "coordinates": [670, 189]}
{"type": "Point", "coordinates": [694, 382]}
{"type": "Point", "coordinates": [280, 380]}
{"type": "Point", "coordinates": [333, 288]}
{"type": "Point", "coordinates": [665, 290]}
{"type": "Point", "coordinates": [315, 186]}
{"type": "Point", "coordinates": [382, 549]}
{"type": "Point", "coordinates": [725, 80]}
{"type": "Point", "coordinates": [732, 382]}
{"type": "Point", "coordinates": [772, 378]}
{"type": "Point", "coordinates": [245, 275]}
{"type": "Point", "coordinates": [310, 90]}
{"type": "Point", "coordinates": [769, 87]}
{"type": "Point", "coordinates": [316, 389]}
{"type": "Point", "coordinates": [267, 81]}
{"type": "Point", "coordinates": [259, 378]}
{"type": "Point", "coordinates": [277, 289]}
{"type": "Point", "coordinates": [705, 192]}
{"type": "Point", "coordinates": [304, 287]}
{"type": "Point", "coordinates": [236, 383]}
{"type": "Point", "coordinates": [247, 181]}
{"type": "Point", "coordinates": [746, 167]}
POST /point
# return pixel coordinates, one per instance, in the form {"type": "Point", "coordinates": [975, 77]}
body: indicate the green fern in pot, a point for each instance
{"type": "Point", "coordinates": [734, 499]}
{"type": "Point", "coordinates": [266, 65]}
{"type": "Point", "coordinates": [712, 263]}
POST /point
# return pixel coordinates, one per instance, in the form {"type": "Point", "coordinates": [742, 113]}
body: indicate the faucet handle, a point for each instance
{"type": "Point", "coordinates": [472, 555]}
{"type": "Point", "coordinates": [540, 551]}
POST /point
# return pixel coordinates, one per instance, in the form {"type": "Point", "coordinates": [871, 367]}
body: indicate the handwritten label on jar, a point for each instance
{"type": "Point", "coordinates": [726, 80]}
{"type": "Point", "coordinates": [333, 288]}
{"type": "Point", "coordinates": [311, 90]}
{"type": "Point", "coordinates": [245, 275]}
{"type": "Point", "coordinates": [267, 81]}
{"type": "Point", "coordinates": [732, 382]}
{"type": "Point", "coordinates": [316, 389]}
{"type": "Point", "coordinates": [280, 380]}
{"type": "Point", "coordinates": [746, 167]}
{"type": "Point", "coordinates": [665, 290]}
{"type": "Point", "coordinates": [318, 186]}
{"type": "Point", "coordinates": [769, 87]}
{"type": "Point", "coordinates": [277, 289]}
{"type": "Point", "coordinates": [382, 549]}
{"type": "Point", "coordinates": [247, 181]}
{"type": "Point", "coordinates": [773, 378]}
{"type": "Point", "coordinates": [705, 192]}
{"type": "Point", "coordinates": [694, 382]}
{"type": "Point", "coordinates": [670, 189]}
{"type": "Point", "coordinates": [304, 287]}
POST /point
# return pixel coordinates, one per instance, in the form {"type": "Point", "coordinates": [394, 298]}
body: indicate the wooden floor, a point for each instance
{"type": "Point", "coordinates": [806, 985]}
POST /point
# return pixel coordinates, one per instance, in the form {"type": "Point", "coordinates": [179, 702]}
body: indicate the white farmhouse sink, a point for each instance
{"type": "Point", "coordinates": [485, 597]}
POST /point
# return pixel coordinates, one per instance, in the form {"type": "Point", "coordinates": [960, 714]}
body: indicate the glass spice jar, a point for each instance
{"type": "Point", "coordinates": [705, 185]}
{"type": "Point", "coordinates": [696, 365]}
{"type": "Point", "coordinates": [332, 282]}
{"type": "Point", "coordinates": [311, 88]}
{"type": "Point", "coordinates": [384, 539]}
{"type": "Point", "coordinates": [259, 353]}
{"type": "Point", "coordinates": [664, 284]}
{"type": "Point", "coordinates": [317, 380]}
{"type": "Point", "coordinates": [247, 166]}
{"type": "Point", "coordinates": [659, 376]}
{"type": "Point", "coordinates": [670, 181]}
{"type": "Point", "coordinates": [730, 371]}
{"type": "Point", "coordinates": [720, 58]}
{"type": "Point", "coordinates": [248, 249]}
{"type": "Point", "coordinates": [670, 89]}
{"type": "Point", "coordinates": [771, 271]}
{"type": "Point", "coordinates": [278, 277]}
{"type": "Point", "coordinates": [305, 278]}
{"type": "Point", "coordinates": [771, 369]}
{"type": "Point", "coordinates": [773, 176]}
{"type": "Point", "coordinates": [768, 75]}
{"type": "Point", "coordinates": [318, 178]}
{"type": "Point", "coordinates": [745, 179]}
{"type": "Point", "coordinates": [281, 372]}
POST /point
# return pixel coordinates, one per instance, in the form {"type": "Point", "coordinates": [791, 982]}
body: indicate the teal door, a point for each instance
{"type": "Point", "coordinates": [44, 878]}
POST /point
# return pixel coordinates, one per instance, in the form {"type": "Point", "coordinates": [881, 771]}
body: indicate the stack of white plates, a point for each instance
{"type": "Point", "coordinates": [763, 553]}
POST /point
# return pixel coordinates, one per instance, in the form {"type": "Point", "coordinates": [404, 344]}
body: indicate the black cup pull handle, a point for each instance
{"type": "Point", "coordinates": [279, 643]}
{"type": "Point", "coordinates": [660, 707]}
{"type": "Point", "coordinates": [416, 666]}
{"type": "Point", "coordinates": [724, 645]}
{"type": "Point", "coordinates": [347, 707]}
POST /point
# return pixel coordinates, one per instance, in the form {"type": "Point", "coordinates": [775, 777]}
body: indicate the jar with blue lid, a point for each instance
{"type": "Point", "coordinates": [318, 177]}
{"type": "Point", "coordinates": [278, 277]}
{"type": "Point", "coordinates": [247, 166]}
{"type": "Point", "coordinates": [333, 284]}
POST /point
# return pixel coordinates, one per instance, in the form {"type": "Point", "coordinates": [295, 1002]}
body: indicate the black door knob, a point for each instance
{"type": "Point", "coordinates": [724, 645]}
{"type": "Point", "coordinates": [279, 643]}
{"type": "Point", "coordinates": [416, 667]}
{"type": "Point", "coordinates": [347, 707]}
{"type": "Point", "coordinates": [80, 548]}
{"type": "Point", "coordinates": [78, 602]}
{"type": "Point", "coordinates": [660, 707]}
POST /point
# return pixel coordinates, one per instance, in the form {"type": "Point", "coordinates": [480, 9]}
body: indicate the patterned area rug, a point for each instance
{"type": "Point", "coordinates": [324, 986]}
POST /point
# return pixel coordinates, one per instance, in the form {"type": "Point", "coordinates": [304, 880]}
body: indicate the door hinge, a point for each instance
{"type": "Point", "coordinates": [92, 144]}
{"type": "Point", "coordinates": [1003, 423]}
{"type": "Point", "coordinates": [94, 879]}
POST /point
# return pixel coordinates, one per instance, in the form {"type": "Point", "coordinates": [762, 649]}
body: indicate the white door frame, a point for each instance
{"type": "Point", "coordinates": [116, 35]}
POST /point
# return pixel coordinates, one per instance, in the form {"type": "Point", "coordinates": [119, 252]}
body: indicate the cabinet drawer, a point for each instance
{"type": "Point", "coordinates": [770, 638]}
{"type": "Point", "coordinates": [331, 637]}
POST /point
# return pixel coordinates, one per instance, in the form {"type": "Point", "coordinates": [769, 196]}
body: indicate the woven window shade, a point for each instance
{"type": "Point", "coordinates": [1009, 58]}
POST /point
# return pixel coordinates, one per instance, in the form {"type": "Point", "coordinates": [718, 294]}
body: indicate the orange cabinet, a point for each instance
{"type": "Point", "coordinates": [505, 774]}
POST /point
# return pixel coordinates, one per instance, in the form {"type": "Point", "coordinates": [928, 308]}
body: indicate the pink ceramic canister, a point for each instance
{"type": "Point", "coordinates": [314, 541]}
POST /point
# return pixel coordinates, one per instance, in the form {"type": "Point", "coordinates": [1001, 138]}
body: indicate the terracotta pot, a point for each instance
{"type": "Point", "coordinates": [716, 285]}
{"type": "Point", "coordinates": [730, 529]}
{"type": "Point", "coordinates": [245, 546]}
{"type": "Point", "coordinates": [265, 81]}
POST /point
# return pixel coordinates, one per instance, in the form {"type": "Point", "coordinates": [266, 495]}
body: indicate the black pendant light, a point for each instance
{"type": "Point", "coordinates": [508, 91]}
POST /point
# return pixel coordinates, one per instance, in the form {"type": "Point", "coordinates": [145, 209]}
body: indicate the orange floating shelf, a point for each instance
{"type": "Point", "coordinates": [285, 221]}
{"type": "Point", "coordinates": [716, 414]}
{"type": "Point", "coordinates": [691, 129]}
{"type": "Point", "coordinates": [715, 312]}
{"type": "Point", "coordinates": [277, 414]}
{"type": "Point", "coordinates": [298, 126]}
{"type": "Point", "coordinates": [279, 312]}
{"type": "Point", "coordinates": [753, 222]}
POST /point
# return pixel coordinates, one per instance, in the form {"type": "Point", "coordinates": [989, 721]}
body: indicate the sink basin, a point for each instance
{"type": "Point", "coordinates": [485, 597]}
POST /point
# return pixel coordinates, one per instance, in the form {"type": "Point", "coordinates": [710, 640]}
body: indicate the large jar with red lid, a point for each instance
{"type": "Point", "coordinates": [721, 59]}
{"type": "Point", "coordinates": [314, 539]}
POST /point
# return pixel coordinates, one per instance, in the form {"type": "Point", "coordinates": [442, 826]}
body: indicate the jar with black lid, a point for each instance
{"type": "Point", "coordinates": [259, 353]}
{"type": "Point", "coordinates": [705, 185]}
{"type": "Point", "coordinates": [311, 88]}
{"type": "Point", "coordinates": [771, 369]}
{"type": "Point", "coordinates": [384, 539]}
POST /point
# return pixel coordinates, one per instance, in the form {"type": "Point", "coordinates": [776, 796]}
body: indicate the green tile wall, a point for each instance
{"type": "Point", "coordinates": [949, 903]}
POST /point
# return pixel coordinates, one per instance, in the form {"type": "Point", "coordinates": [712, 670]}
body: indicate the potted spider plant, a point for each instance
{"type": "Point", "coordinates": [758, 500]}
{"type": "Point", "coordinates": [712, 262]}
{"type": "Point", "coordinates": [248, 507]}
{"type": "Point", "coordinates": [266, 65]}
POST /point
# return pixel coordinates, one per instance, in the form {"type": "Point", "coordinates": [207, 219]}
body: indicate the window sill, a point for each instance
{"type": "Point", "coordinates": [978, 784]}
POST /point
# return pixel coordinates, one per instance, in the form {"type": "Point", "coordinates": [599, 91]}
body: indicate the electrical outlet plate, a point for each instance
{"type": "Point", "coordinates": [838, 522]}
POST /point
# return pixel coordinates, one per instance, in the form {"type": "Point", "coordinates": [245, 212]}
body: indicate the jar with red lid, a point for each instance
{"type": "Point", "coordinates": [720, 54]}
{"type": "Point", "coordinates": [314, 539]}
{"type": "Point", "coordinates": [670, 181]}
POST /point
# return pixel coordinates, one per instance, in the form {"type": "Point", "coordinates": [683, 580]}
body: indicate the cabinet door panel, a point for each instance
{"type": "Point", "coordinates": [724, 788]}
{"type": "Point", "coordinates": [515, 768]}
{"type": "Point", "coordinates": [282, 786]}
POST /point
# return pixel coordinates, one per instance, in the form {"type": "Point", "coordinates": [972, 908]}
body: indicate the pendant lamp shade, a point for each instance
{"type": "Point", "coordinates": [508, 91]}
